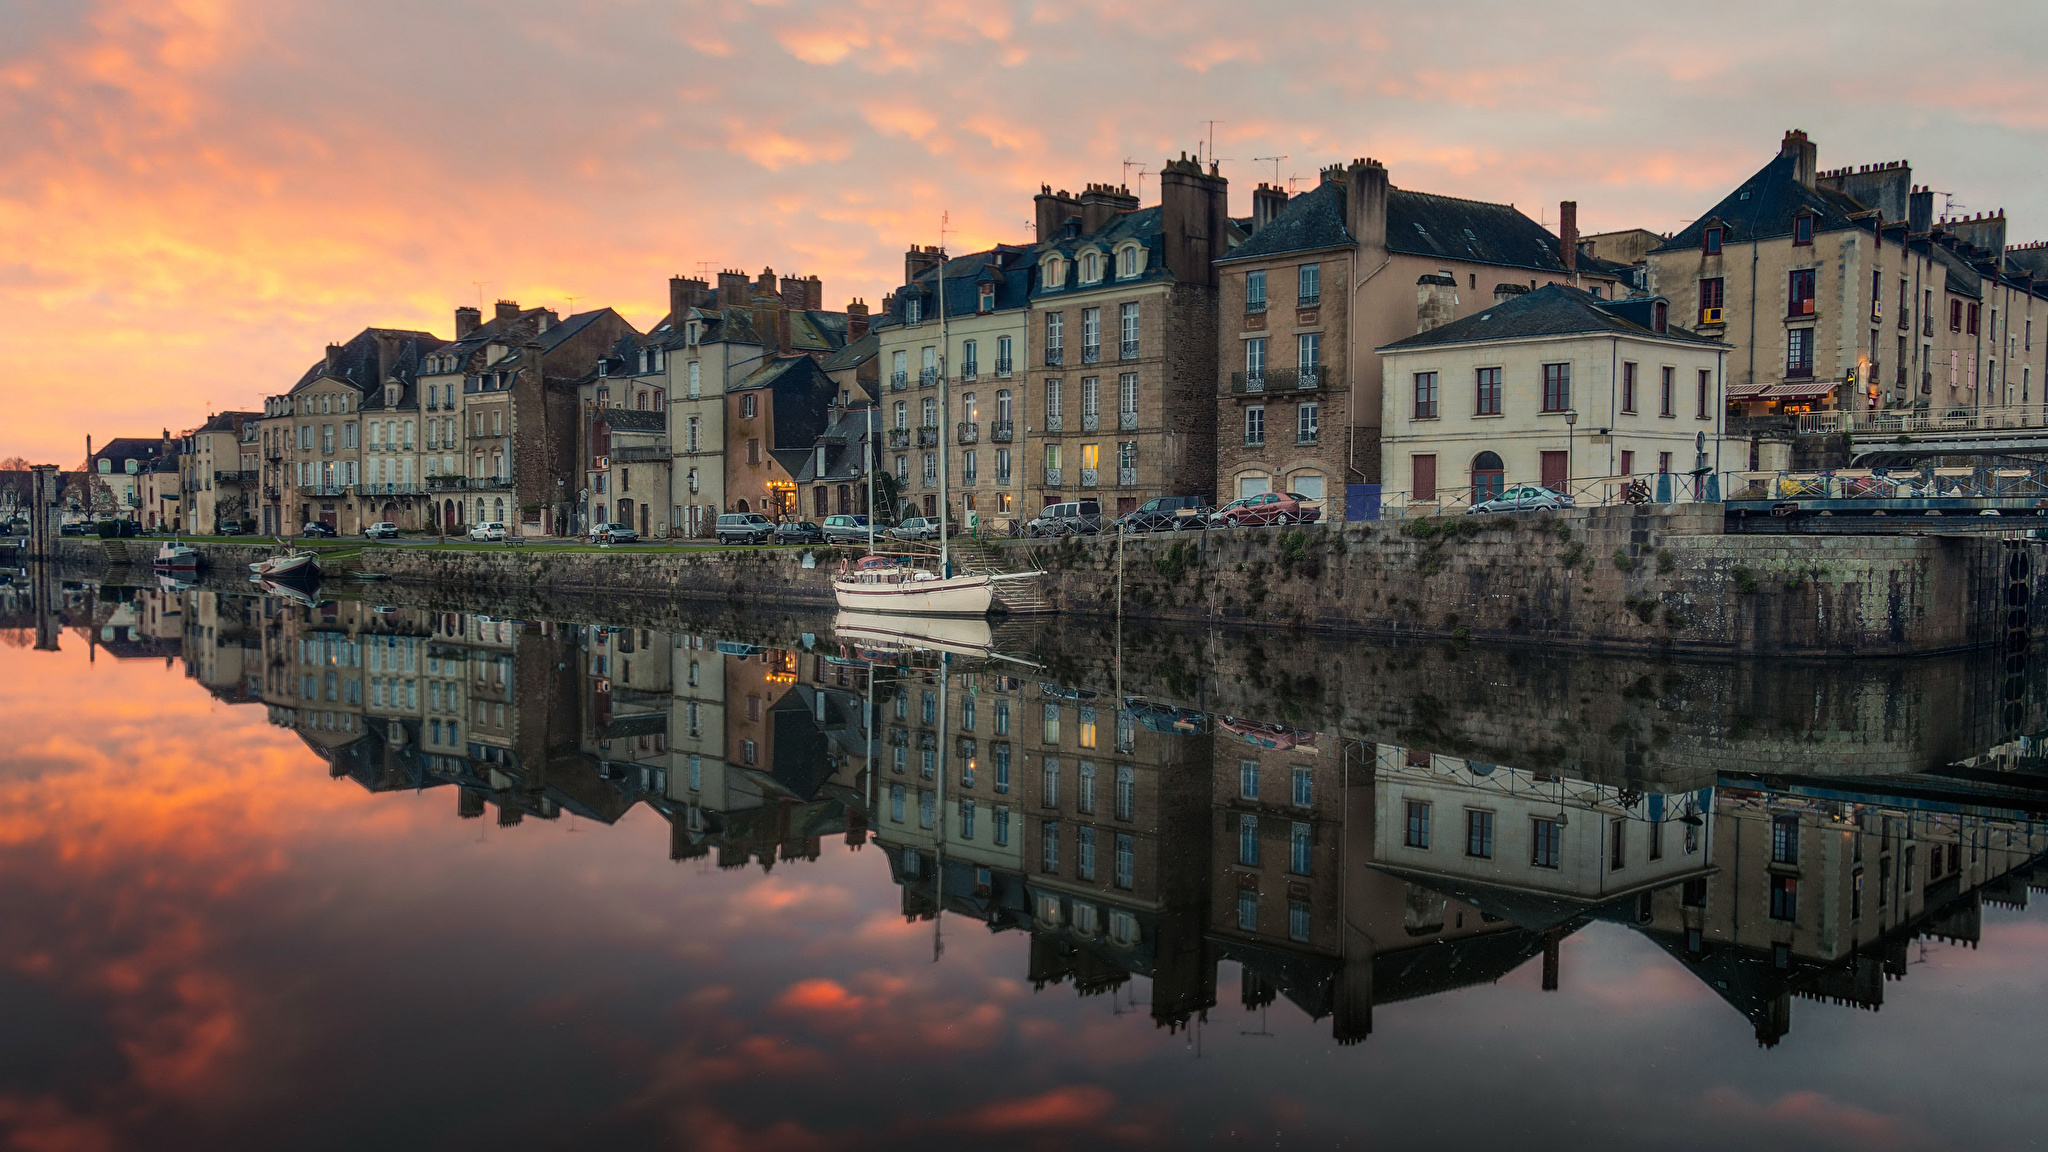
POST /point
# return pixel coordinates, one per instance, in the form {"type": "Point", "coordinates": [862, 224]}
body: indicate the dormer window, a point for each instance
{"type": "Point", "coordinates": [1091, 267]}
{"type": "Point", "coordinates": [604, 367]}
{"type": "Point", "coordinates": [988, 298]}
{"type": "Point", "coordinates": [1055, 272]}
{"type": "Point", "coordinates": [1710, 242]}
{"type": "Point", "coordinates": [1659, 317]}
{"type": "Point", "coordinates": [1130, 261]}
{"type": "Point", "coordinates": [691, 333]}
{"type": "Point", "coordinates": [1802, 230]}
{"type": "Point", "coordinates": [913, 310]}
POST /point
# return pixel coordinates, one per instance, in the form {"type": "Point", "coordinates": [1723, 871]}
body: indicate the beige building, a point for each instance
{"type": "Point", "coordinates": [221, 478]}
{"type": "Point", "coordinates": [1326, 277]}
{"type": "Point", "coordinates": [313, 442]}
{"type": "Point", "coordinates": [1556, 387]}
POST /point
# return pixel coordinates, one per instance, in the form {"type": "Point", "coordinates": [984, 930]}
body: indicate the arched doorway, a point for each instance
{"type": "Point", "coordinates": [1489, 477]}
{"type": "Point", "coordinates": [740, 507]}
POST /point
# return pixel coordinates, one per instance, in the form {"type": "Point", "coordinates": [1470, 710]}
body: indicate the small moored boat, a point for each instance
{"type": "Point", "coordinates": [285, 566]}
{"type": "Point", "coordinates": [177, 557]}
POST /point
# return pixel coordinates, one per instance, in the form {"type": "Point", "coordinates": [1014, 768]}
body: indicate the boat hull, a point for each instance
{"type": "Point", "coordinates": [961, 636]}
{"type": "Point", "coordinates": [286, 567]}
{"type": "Point", "coordinates": [969, 595]}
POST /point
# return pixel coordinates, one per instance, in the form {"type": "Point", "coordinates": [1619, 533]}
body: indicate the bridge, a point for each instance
{"type": "Point", "coordinates": [2007, 430]}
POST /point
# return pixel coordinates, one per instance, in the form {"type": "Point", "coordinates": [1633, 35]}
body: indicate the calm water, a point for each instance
{"type": "Point", "coordinates": [350, 874]}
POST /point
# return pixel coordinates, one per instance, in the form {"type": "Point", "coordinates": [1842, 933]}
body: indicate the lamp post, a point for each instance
{"type": "Point", "coordinates": [1571, 418]}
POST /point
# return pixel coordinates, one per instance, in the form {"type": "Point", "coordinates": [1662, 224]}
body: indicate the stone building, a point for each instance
{"type": "Point", "coordinates": [446, 378]}
{"type": "Point", "coordinates": [1843, 290]}
{"type": "Point", "coordinates": [628, 478]}
{"type": "Point", "coordinates": [117, 474]}
{"type": "Point", "coordinates": [221, 472]}
{"type": "Point", "coordinates": [1329, 275]}
{"type": "Point", "coordinates": [1115, 403]}
{"type": "Point", "coordinates": [773, 419]}
{"type": "Point", "coordinates": [835, 478]}
{"type": "Point", "coordinates": [312, 437]}
{"type": "Point", "coordinates": [1549, 387]}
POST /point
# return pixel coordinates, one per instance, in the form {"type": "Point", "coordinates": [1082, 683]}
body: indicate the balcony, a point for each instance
{"type": "Point", "coordinates": [1053, 479]}
{"type": "Point", "coordinates": [487, 482]}
{"type": "Point", "coordinates": [270, 492]}
{"type": "Point", "coordinates": [970, 372]}
{"type": "Point", "coordinates": [1255, 439]}
{"type": "Point", "coordinates": [1090, 477]}
{"type": "Point", "coordinates": [928, 437]}
{"type": "Point", "coordinates": [388, 488]}
{"type": "Point", "coordinates": [898, 381]}
{"type": "Point", "coordinates": [1002, 431]}
{"type": "Point", "coordinates": [1002, 477]}
{"type": "Point", "coordinates": [899, 437]}
{"type": "Point", "coordinates": [1308, 437]}
{"type": "Point", "coordinates": [643, 454]}
{"type": "Point", "coordinates": [968, 478]}
{"type": "Point", "coordinates": [1054, 422]}
{"type": "Point", "coordinates": [1927, 325]}
{"type": "Point", "coordinates": [931, 478]}
{"type": "Point", "coordinates": [1255, 304]}
{"type": "Point", "coordinates": [323, 490]}
{"type": "Point", "coordinates": [1091, 353]}
{"type": "Point", "coordinates": [1309, 377]}
{"type": "Point", "coordinates": [967, 432]}
{"type": "Point", "coordinates": [244, 477]}
{"type": "Point", "coordinates": [447, 483]}
{"type": "Point", "coordinates": [1313, 300]}
{"type": "Point", "coordinates": [928, 378]}
{"type": "Point", "coordinates": [1055, 356]}
{"type": "Point", "coordinates": [1002, 369]}
{"type": "Point", "coordinates": [1127, 477]}
{"type": "Point", "coordinates": [1090, 422]}
{"type": "Point", "coordinates": [1126, 421]}
{"type": "Point", "coordinates": [1127, 350]}
{"type": "Point", "coordinates": [1243, 382]}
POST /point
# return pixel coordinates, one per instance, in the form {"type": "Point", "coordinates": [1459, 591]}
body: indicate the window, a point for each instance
{"type": "Point", "coordinates": [1091, 267]}
{"type": "Point", "coordinates": [1711, 300]}
{"type": "Point", "coordinates": [1784, 898]}
{"type": "Point", "coordinates": [1126, 859]}
{"type": "Point", "coordinates": [1127, 332]}
{"type": "Point", "coordinates": [1002, 769]}
{"type": "Point", "coordinates": [1311, 285]}
{"type": "Point", "coordinates": [1557, 387]}
{"type": "Point", "coordinates": [1254, 425]}
{"type": "Point", "coordinates": [1479, 834]}
{"type": "Point", "coordinates": [896, 803]}
{"type": "Point", "coordinates": [1297, 921]}
{"type": "Point", "coordinates": [1091, 400]}
{"type": "Point", "coordinates": [1617, 844]}
{"type": "Point", "coordinates": [1091, 335]}
{"type": "Point", "coordinates": [1248, 841]}
{"type": "Point", "coordinates": [1255, 359]}
{"type": "Point", "coordinates": [1425, 396]}
{"type": "Point", "coordinates": [1084, 853]}
{"type": "Point", "coordinates": [1002, 826]}
{"type": "Point", "coordinates": [1127, 401]}
{"type": "Point", "coordinates": [1856, 894]}
{"type": "Point", "coordinates": [1307, 422]}
{"type": "Point", "coordinates": [1416, 829]}
{"type": "Point", "coordinates": [927, 811]}
{"type": "Point", "coordinates": [1055, 404]}
{"type": "Point", "coordinates": [1628, 386]}
{"type": "Point", "coordinates": [1799, 352]}
{"type": "Point", "coordinates": [696, 385]}
{"type": "Point", "coordinates": [1308, 355]}
{"type": "Point", "coordinates": [1710, 242]}
{"type": "Point", "coordinates": [1248, 779]}
{"type": "Point", "coordinates": [1664, 384]}
{"type": "Point", "coordinates": [1126, 792]}
{"type": "Point", "coordinates": [1300, 841]}
{"type": "Point", "coordinates": [1002, 717]}
{"type": "Point", "coordinates": [1055, 336]}
{"type": "Point", "coordinates": [1084, 800]}
{"type": "Point", "coordinates": [1486, 395]}
{"type": "Point", "coordinates": [1969, 325]}
{"type": "Point", "coordinates": [1802, 230]}
{"type": "Point", "coordinates": [1255, 290]}
{"type": "Point", "coordinates": [913, 310]}
{"type": "Point", "coordinates": [1799, 292]}
{"type": "Point", "coordinates": [970, 353]}
{"type": "Point", "coordinates": [1052, 724]}
{"type": "Point", "coordinates": [1049, 848]}
{"type": "Point", "coordinates": [1127, 261]}
{"type": "Point", "coordinates": [1247, 910]}
{"type": "Point", "coordinates": [1049, 783]}
{"type": "Point", "coordinates": [1546, 843]}
{"type": "Point", "coordinates": [1304, 787]}
{"type": "Point", "coordinates": [1784, 839]}
{"type": "Point", "coordinates": [1703, 393]}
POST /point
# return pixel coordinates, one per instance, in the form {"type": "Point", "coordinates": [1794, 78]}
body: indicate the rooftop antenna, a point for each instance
{"type": "Point", "coordinates": [1142, 173]}
{"type": "Point", "coordinates": [1212, 138]}
{"type": "Point", "coordinates": [1276, 166]}
{"type": "Point", "coordinates": [704, 269]}
{"type": "Point", "coordinates": [479, 293]}
{"type": "Point", "coordinates": [1950, 206]}
{"type": "Point", "coordinates": [572, 303]}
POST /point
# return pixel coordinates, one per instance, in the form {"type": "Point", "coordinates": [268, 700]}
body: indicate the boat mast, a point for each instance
{"type": "Point", "coordinates": [945, 356]}
{"type": "Point", "coordinates": [868, 465]}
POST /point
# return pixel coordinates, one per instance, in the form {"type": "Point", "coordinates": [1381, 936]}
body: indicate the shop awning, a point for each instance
{"type": "Point", "coordinates": [1745, 391]}
{"type": "Point", "coordinates": [1800, 390]}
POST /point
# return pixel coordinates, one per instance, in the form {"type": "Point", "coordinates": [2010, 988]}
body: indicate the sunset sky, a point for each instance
{"type": "Point", "coordinates": [197, 195]}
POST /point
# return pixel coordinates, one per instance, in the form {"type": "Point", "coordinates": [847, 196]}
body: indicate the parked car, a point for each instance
{"type": "Point", "coordinates": [1168, 513]}
{"type": "Point", "coordinates": [381, 530]}
{"type": "Point", "coordinates": [1266, 508]}
{"type": "Point", "coordinates": [232, 528]}
{"type": "Point", "coordinates": [488, 530]}
{"type": "Point", "coordinates": [744, 528]}
{"type": "Point", "coordinates": [1524, 498]}
{"type": "Point", "coordinates": [614, 534]}
{"type": "Point", "coordinates": [75, 528]}
{"type": "Point", "coordinates": [317, 528]}
{"type": "Point", "coordinates": [799, 532]}
{"type": "Point", "coordinates": [846, 529]}
{"type": "Point", "coordinates": [1073, 518]}
{"type": "Point", "coordinates": [915, 528]}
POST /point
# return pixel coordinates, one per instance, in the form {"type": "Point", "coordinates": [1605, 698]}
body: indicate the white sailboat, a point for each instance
{"type": "Point", "coordinates": [177, 556]}
{"type": "Point", "coordinates": [895, 585]}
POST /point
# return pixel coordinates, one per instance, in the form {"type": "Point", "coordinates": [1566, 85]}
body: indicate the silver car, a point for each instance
{"type": "Point", "coordinates": [1524, 498]}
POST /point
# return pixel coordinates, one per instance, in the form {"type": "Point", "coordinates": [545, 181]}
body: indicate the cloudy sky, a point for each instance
{"type": "Point", "coordinates": [197, 195]}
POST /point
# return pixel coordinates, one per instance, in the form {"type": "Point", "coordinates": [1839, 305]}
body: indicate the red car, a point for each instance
{"type": "Point", "coordinates": [1267, 508]}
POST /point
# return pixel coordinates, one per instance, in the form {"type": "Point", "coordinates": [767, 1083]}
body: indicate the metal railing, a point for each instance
{"type": "Point", "coordinates": [931, 478]}
{"type": "Point", "coordinates": [967, 432]}
{"type": "Point", "coordinates": [446, 483]}
{"type": "Point", "coordinates": [1909, 421]}
{"type": "Point", "coordinates": [1054, 422]}
{"type": "Point", "coordinates": [899, 437]}
{"type": "Point", "coordinates": [1091, 421]}
{"type": "Point", "coordinates": [1002, 431]}
{"type": "Point", "coordinates": [1054, 357]}
{"type": "Point", "coordinates": [1309, 377]}
{"type": "Point", "coordinates": [970, 372]}
{"type": "Point", "coordinates": [388, 488]}
{"type": "Point", "coordinates": [1981, 483]}
{"type": "Point", "coordinates": [1314, 300]}
{"type": "Point", "coordinates": [1255, 305]}
{"type": "Point", "coordinates": [1054, 477]}
{"type": "Point", "coordinates": [1003, 369]}
{"type": "Point", "coordinates": [928, 378]}
{"type": "Point", "coordinates": [1127, 477]}
{"type": "Point", "coordinates": [247, 476]}
{"type": "Point", "coordinates": [969, 477]}
{"type": "Point", "coordinates": [928, 437]}
{"type": "Point", "coordinates": [1090, 477]}
{"type": "Point", "coordinates": [1127, 350]}
{"type": "Point", "coordinates": [1003, 477]}
{"type": "Point", "coordinates": [1585, 492]}
{"type": "Point", "coordinates": [1126, 421]}
{"type": "Point", "coordinates": [1091, 353]}
{"type": "Point", "coordinates": [898, 381]}
{"type": "Point", "coordinates": [642, 454]}
{"type": "Point", "coordinates": [1243, 382]}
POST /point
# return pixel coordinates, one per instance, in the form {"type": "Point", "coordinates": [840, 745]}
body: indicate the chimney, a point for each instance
{"type": "Point", "coordinates": [1194, 217]}
{"type": "Point", "coordinates": [387, 354]}
{"type": "Point", "coordinates": [1804, 155]}
{"type": "Point", "coordinates": [1920, 210]}
{"type": "Point", "coordinates": [1365, 203]}
{"type": "Point", "coordinates": [685, 293]}
{"type": "Point", "coordinates": [1054, 210]}
{"type": "Point", "coordinates": [783, 343]}
{"type": "Point", "coordinates": [764, 285]}
{"type": "Point", "coordinates": [919, 259]}
{"type": "Point", "coordinates": [1568, 235]}
{"type": "Point", "coordinates": [333, 358]}
{"type": "Point", "coordinates": [1267, 201]}
{"type": "Point", "coordinates": [1502, 293]}
{"type": "Point", "coordinates": [507, 310]}
{"type": "Point", "coordinates": [1101, 203]}
{"type": "Point", "coordinates": [791, 289]}
{"type": "Point", "coordinates": [1436, 301]}
{"type": "Point", "coordinates": [856, 319]}
{"type": "Point", "coordinates": [732, 288]}
{"type": "Point", "coordinates": [467, 320]}
{"type": "Point", "coordinates": [814, 294]}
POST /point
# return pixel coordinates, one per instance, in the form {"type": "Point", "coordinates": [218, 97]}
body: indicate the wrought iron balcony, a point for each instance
{"type": "Point", "coordinates": [1255, 304]}
{"type": "Point", "coordinates": [1053, 478]}
{"type": "Point", "coordinates": [447, 483]}
{"type": "Point", "coordinates": [968, 432]}
{"type": "Point", "coordinates": [1090, 421]}
{"type": "Point", "coordinates": [1089, 477]}
{"type": "Point", "coordinates": [1243, 382]}
{"type": "Point", "coordinates": [1127, 350]}
{"type": "Point", "coordinates": [970, 372]}
{"type": "Point", "coordinates": [931, 478]}
{"type": "Point", "coordinates": [928, 437]}
{"type": "Point", "coordinates": [1003, 369]}
{"type": "Point", "coordinates": [1002, 477]}
{"type": "Point", "coordinates": [899, 437]}
{"type": "Point", "coordinates": [388, 488]}
{"type": "Point", "coordinates": [1054, 421]}
{"type": "Point", "coordinates": [1311, 300]}
{"type": "Point", "coordinates": [1001, 431]}
{"type": "Point", "coordinates": [1126, 421]}
{"type": "Point", "coordinates": [1309, 376]}
{"type": "Point", "coordinates": [270, 491]}
{"type": "Point", "coordinates": [968, 478]}
{"type": "Point", "coordinates": [928, 378]}
{"type": "Point", "coordinates": [1127, 477]}
{"type": "Point", "coordinates": [1091, 353]}
{"type": "Point", "coordinates": [247, 476]}
{"type": "Point", "coordinates": [1255, 439]}
{"type": "Point", "coordinates": [898, 381]}
{"type": "Point", "coordinates": [1054, 357]}
{"type": "Point", "coordinates": [490, 482]}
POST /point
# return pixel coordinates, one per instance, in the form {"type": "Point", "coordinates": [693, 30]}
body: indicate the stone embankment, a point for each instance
{"type": "Point", "coordinates": [1624, 579]}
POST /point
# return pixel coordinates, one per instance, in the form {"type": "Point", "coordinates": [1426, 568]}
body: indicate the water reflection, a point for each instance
{"type": "Point", "coordinates": [1126, 827]}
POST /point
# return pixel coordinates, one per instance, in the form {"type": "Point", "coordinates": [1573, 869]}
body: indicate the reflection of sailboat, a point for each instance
{"type": "Point", "coordinates": [286, 591]}
{"type": "Point", "coordinates": [961, 637]}
{"type": "Point", "coordinates": [177, 556]}
{"type": "Point", "coordinates": [1270, 736]}
{"type": "Point", "coordinates": [288, 565]}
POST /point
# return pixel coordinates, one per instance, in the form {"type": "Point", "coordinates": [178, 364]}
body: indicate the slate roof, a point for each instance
{"type": "Point", "coordinates": [1763, 207]}
{"type": "Point", "coordinates": [854, 354]}
{"type": "Point", "coordinates": [357, 362]}
{"type": "Point", "coordinates": [842, 441]}
{"type": "Point", "coordinates": [634, 420]}
{"type": "Point", "coordinates": [802, 396]}
{"type": "Point", "coordinates": [1146, 226]}
{"type": "Point", "coordinates": [1552, 310]}
{"type": "Point", "coordinates": [227, 421]}
{"type": "Point", "coordinates": [1312, 220]}
{"type": "Point", "coordinates": [1009, 267]}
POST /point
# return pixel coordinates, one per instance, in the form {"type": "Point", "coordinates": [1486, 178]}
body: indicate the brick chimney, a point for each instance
{"type": "Point", "coordinates": [765, 285]}
{"type": "Point", "coordinates": [732, 288]}
{"type": "Point", "coordinates": [1267, 202]}
{"type": "Point", "coordinates": [856, 319]}
{"type": "Point", "coordinates": [1502, 293]}
{"type": "Point", "coordinates": [1054, 210]}
{"type": "Point", "coordinates": [467, 320]}
{"type": "Point", "coordinates": [1568, 235]}
{"type": "Point", "coordinates": [333, 358]}
{"type": "Point", "coordinates": [791, 289]}
{"type": "Point", "coordinates": [1101, 203]}
{"type": "Point", "coordinates": [1920, 210]}
{"type": "Point", "coordinates": [685, 293]}
{"type": "Point", "coordinates": [1194, 218]}
{"type": "Point", "coordinates": [1365, 203]}
{"type": "Point", "coordinates": [814, 294]}
{"type": "Point", "coordinates": [918, 259]}
{"type": "Point", "coordinates": [1436, 301]}
{"type": "Point", "coordinates": [1805, 157]}
{"type": "Point", "coordinates": [507, 310]}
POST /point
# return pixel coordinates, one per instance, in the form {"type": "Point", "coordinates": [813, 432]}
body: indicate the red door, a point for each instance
{"type": "Point", "coordinates": [1555, 471]}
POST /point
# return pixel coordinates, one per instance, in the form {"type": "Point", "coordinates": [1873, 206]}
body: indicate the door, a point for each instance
{"type": "Point", "coordinates": [626, 512]}
{"type": "Point", "coordinates": [1556, 471]}
{"type": "Point", "coordinates": [643, 521]}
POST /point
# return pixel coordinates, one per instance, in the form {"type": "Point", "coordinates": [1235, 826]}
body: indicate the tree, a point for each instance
{"type": "Point", "coordinates": [14, 464]}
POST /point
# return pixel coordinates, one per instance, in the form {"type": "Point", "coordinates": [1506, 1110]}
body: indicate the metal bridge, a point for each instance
{"type": "Point", "coordinates": [2008, 430]}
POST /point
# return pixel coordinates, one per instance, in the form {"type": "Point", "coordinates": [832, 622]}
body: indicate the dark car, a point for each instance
{"type": "Point", "coordinates": [75, 528]}
{"type": "Point", "coordinates": [1266, 508]}
{"type": "Point", "coordinates": [1168, 513]}
{"type": "Point", "coordinates": [799, 532]}
{"type": "Point", "coordinates": [231, 528]}
{"type": "Point", "coordinates": [317, 529]}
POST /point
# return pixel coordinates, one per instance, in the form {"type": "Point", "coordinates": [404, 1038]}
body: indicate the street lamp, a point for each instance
{"type": "Point", "coordinates": [1571, 417]}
